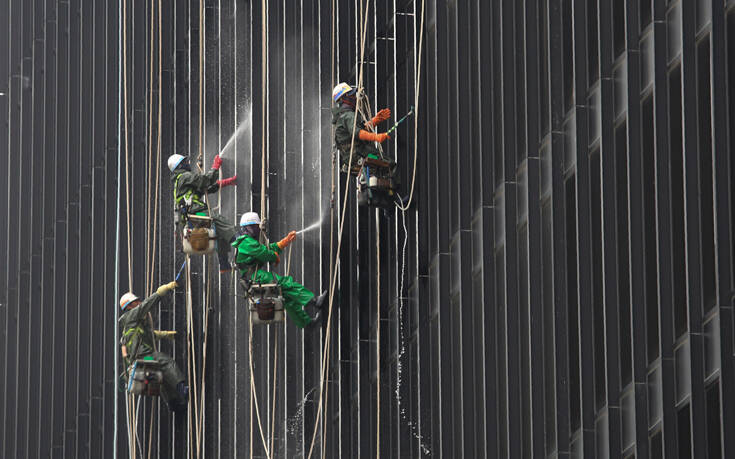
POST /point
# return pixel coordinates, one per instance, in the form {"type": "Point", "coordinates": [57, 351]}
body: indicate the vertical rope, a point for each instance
{"type": "Point", "coordinates": [127, 160]}
{"type": "Point", "coordinates": [148, 171]}
{"type": "Point", "coordinates": [417, 93]}
{"type": "Point", "coordinates": [377, 332]}
{"type": "Point", "coordinates": [275, 378]}
{"type": "Point", "coordinates": [325, 354]}
{"type": "Point", "coordinates": [117, 230]}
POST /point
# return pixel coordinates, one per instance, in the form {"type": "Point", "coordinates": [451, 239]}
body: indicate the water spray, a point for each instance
{"type": "Point", "coordinates": [240, 129]}
{"type": "Point", "coordinates": [313, 226]}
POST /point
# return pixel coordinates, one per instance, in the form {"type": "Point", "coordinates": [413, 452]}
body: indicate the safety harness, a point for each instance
{"type": "Point", "coordinates": [131, 334]}
{"type": "Point", "coordinates": [189, 197]}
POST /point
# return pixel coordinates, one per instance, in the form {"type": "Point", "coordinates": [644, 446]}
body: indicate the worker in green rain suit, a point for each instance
{"type": "Point", "coordinates": [343, 119]}
{"type": "Point", "coordinates": [137, 343]}
{"type": "Point", "coordinates": [252, 256]}
{"type": "Point", "coordinates": [189, 190]}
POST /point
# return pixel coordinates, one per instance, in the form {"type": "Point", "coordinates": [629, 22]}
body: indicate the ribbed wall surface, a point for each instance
{"type": "Point", "coordinates": [563, 286]}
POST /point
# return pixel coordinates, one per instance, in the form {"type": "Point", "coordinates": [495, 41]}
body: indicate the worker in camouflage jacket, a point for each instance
{"type": "Point", "coordinates": [345, 127]}
{"type": "Point", "coordinates": [252, 256]}
{"type": "Point", "coordinates": [137, 342]}
{"type": "Point", "coordinates": [191, 187]}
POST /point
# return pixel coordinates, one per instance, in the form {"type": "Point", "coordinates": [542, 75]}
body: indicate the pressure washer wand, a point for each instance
{"type": "Point", "coordinates": [180, 271]}
{"type": "Point", "coordinates": [400, 121]}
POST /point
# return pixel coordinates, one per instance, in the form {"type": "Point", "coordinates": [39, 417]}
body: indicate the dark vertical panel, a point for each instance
{"type": "Point", "coordinates": [548, 317]}
{"type": "Point", "coordinates": [561, 307]}
{"type": "Point", "coordinates": [625, 308]}
{"type": "Point", "coordinates": [692, 177]}
{"type": "Point", "coordinates": [49, 177]}
{"type": "Point", "coordinates": [664, 226]}
{"type": "Point", "coordinates": [61, 225]}
{"type": "Point", "coordinates": [536, 312]}
{"type": "Point", "coordinates": [637, 221]}
{"type": "Point", "coordinates": [714, 421]}
{"type": "Point", "coordinates": [584, 234]}
{"type": "Point", "coordinates": [704, 137]}
{"type": "Point", "coordinates": [677, 200]}
{"type": "Point", "coordinates": [609, 227]}
{"type": "Point", "coordinates": [724, 185]}
{"type": "Point", "coordinates": [685, 432]}
{"type": "Point", "coordinates": [22, 239]}
{"type": "Point", "coordinates": [570, 230]}
{"type": "Point", "coordinates": [5, 72]}
{"type": "Point", "coordinates": [648, 156]}
{"type": "Point", "coordinates": [598, 303]}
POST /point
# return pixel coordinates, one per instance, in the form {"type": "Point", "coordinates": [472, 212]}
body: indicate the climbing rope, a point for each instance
{"type": "Point", "coordinates": [263, 213]}
{"type": "Point", "coordinates": [325, 354]}
{"type": "Point", "coordinates": [377, 332]}
{"type": "Point", "coordinates": [130, 405]}
{"type": "Point", "coordinates": [417, 92]}
{"type": "Point", "coordinates": [332, 172]}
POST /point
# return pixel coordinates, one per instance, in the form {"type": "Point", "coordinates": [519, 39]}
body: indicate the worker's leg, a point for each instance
{"type": "Point", "coordinates": [172, 376]}
{"type": "Point", "coordinates": [225, 232]}
{"type": "Point", "coordinates": [295, 297]}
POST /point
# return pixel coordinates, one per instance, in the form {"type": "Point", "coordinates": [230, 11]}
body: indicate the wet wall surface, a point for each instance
{"type": "Point", "coordinates": [561, 284]}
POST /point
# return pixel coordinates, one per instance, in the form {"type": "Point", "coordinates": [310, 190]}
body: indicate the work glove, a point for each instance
{"type": "Point", "coordinates": [217, 163]}
{"type": "Point", "coordinates": [164, 334]}
{"type": "Point", "coordinates": [278, 261]}
{"type": "Point", "coordinates": [165, 288]}
{"type": "Point", "coordinates": [371, 137]}
{"type": "Point", "coordinates": [286, 241]}
{"type": "Point", "coordinates": [381, 116]}
{"type": "Point", "coordinates": [227, 182]}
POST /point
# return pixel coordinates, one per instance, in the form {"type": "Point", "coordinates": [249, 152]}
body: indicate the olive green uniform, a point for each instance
{"type": "Point", "coordinates": [191, 185]}
{"type": "Point", "coordinates": [251, 256]}
{"type": "Point", "coordinates": [343, 119]}
{"type": "Point", "coordinates": [137, 337]}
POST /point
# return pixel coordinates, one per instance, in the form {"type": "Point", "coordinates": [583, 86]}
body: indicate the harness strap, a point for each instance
{"type": "Point", "coordinates": [189, 195]}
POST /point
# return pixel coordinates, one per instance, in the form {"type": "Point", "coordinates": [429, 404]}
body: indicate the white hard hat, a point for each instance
{"type": "Point", "coordinates": [174, 161]}
{"type": "Point", "coordinates": [340, 90]}
{"type": "Point", "coordinates": [249, 218]}
{"type": "Point", "coordinates": [126, 299]}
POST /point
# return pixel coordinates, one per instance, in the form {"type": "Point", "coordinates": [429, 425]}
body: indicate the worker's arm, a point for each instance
{"type": "Point", "coordinates": [260, 252]}
{"type": "Point", "coordinates": [200, 182]}
{"type": "Point", "coordinates": [144, 308]}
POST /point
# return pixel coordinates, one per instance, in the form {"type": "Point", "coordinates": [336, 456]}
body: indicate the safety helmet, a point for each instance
{"type": "Point", "coordinates": [174, 161]}
{"type": "Point", "coordinates": [249, 218]}
{"type": "Point", "coordinates": [126, 299]}
{"type": "Point", "coordinates": [340, 90]}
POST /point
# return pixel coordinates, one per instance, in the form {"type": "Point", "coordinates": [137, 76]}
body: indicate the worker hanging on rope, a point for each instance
{"type": "Point", "coordinates": [189, 191]}
{"type": "Point", "coordinates": [377, 176]}
{"type": "Point", "coordinates": [137, 342]}
{"type": "Point", "coordinates": [252, 256]}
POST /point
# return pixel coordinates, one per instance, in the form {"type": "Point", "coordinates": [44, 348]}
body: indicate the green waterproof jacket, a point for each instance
{"type": "Point", "coordinates": [136, 329]}
{"type": "Point", "coordinates": [251, 255]}
{"type": "Point", "coordinates": [343, 119]}
{"type": "Point", "coordinates": [188, 184]}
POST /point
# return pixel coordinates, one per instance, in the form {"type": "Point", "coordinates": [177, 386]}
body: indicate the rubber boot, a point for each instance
{"type": "Point", "coordinates": [178, 404]}
{"type": "Point", "coordinates": [315, 307]}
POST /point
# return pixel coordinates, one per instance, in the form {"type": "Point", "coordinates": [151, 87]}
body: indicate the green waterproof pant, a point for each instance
{"type": "Point", "coordinates": [295, 295]}
{"type": "Point", "coordinates": [172, 376]}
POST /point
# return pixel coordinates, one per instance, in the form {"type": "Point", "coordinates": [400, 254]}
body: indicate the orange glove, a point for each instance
{"type": "Point", "coordinates": [278, 260]}
{"type": "Point", "coordinates": [371, 137]}
{"type": "Point", "coordinates": [286, 241]}
{"type": "Point", "coordinates": [381, 116]}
